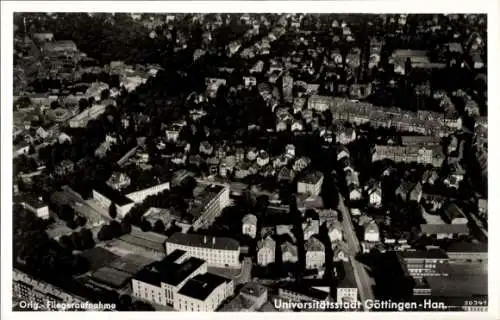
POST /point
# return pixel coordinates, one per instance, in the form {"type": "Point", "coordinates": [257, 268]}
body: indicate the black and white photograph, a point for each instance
{"type": "Point", "coordinates": [269, 160]}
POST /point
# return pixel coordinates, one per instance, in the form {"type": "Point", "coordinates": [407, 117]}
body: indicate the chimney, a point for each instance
{"type": "Point", "coordinates": [205, 239]}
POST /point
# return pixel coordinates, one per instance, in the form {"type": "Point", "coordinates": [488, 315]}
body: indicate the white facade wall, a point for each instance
{"type": "Point", "coordinates": [214, 257]}
{"type": "Point", "coordinates": [211, 303]}
{"type": "Point", "coordinates": [315, 259]}
{"type": "Point", "coordinates": [139, 196]}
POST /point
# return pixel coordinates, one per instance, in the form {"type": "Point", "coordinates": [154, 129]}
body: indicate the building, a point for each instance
{"type": "Point", "coordinates": [107, 196]}
{"type": "Point", "coordinates": [424, 263]}
{"type": "Point", "coordinates": [287, 88]}
{"type": "Point", "coordinates": [37, 292]}
{"type": "Point", "coordinates": [217, 251]}
{"type": "Point", "coordinates": [375, 196]}
{"type": "Point", "coordinates": [347, 289]}
{"type": "Point", "coordinates": [81, 119]}
{"type": "Point", "coordinates": [160, 281]}
{"type": "Point", "coordinates": [295, 293]}
{"type": "Point", "coordinates": [444, 230]}
{"type": "Point", "coordinates": [468, 251]}
{"type": "Point", "coordinates": [418, 59]}
{"type": "Point", "coordinates": [403, 154]}
{"type": "Point", "coordinates": [37, 207]}
{"type": "Point", "coordinates": [266, 251]}
{"type": "Point", "coordinates": [209, 201]}
{"type": "Point", "coordinates": [315, 253]}
{"type": "Point", "coordinates": [118, 180]}
{"type": "Point", "coordinates": [310, 228]}
{"type": "Point", "coordinates": [250, 225]}
{"type": "Point", "coordinates": [454, 215]}
{"type": "Point", "coordinates": [372, 233]}
{"type": "Point", "coordinates": [335, 232]}
{"type": "Point", "coordinates": [139, 195]}
{"type": "Point", "coordinates": [311, 183]}
{"type": "Point", "coordinates": [204, 292]}
{"type": "Point", "coordinates": [410, 191]}
{"type": "Point", "coordinates": [319, 103]}
{"type": "Point", "coordinates": [250, 298]}
{"type": "Point", "coordinates": [289, 252]}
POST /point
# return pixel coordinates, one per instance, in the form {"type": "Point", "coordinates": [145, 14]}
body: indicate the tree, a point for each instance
{"type": "Point", "coordinates": [145, 225]}
{"type": "Point", "coordinates": [66, 213]}
{"type": "Point", "coordinates": [54, 105]}
{"type": "Point", "coordinates": [87, 239]}
{"type": "Point", "coordinates": [112, 210]}
{"type": "Point", "coordinates": [72, 224]}
{"type": "Point", "coordinates": [159, 227]}
{"type": "Point", "coordinates": [125, 227]}
{"type": "Point", "coordinates": [81, 221]}
{"type": "Point", "coordinates": [83, 104]}
{"type": "Point", "coordinates": [125, 302]}
{"type": "Point", "coordinates": [66, 242]}
{"type": "Point", "coordinates": [76, 239]}
{"type": "Point", "coordinates": [105, 233]}
{"type": "Point", "coordinates": [105, 94]}
{"type": "Point", "coordinates": [115, 229]}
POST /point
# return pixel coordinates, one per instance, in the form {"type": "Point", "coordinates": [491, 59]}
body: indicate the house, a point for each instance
{"type": "Point", "coordinates": [286, 175]}
{"type": "Point", "coordinates": [342, 152]}
{"type": "Point", "coordinates": [280, 161]}
{"type": "Point", "coordinates": [310, 228]}
{"type": "Point", "coordinates": [433, 202]}
{"type": "Point", "coordinates": [340, 251]}
{"type": "Point", "coordinates": [409, 191]}
{"type": "Point", "coordinates": [345, 135]}
{"type": "Point", "coordinates": [290, 150]}
{"type": "Point", "coordinates": [472, 251]}
{"type": "Point", "coordinates": [35, 205]}
{"type": "Point", "coordinates": [444, 230]}
{"type": "Point", "coordinates": [118, 180]}
{"type": "Point", "coordinates": [454, 215]}
{"type": "Point", "coordinates": [310, 183]}
{"type": "Point", "coordinates": [372, 233]}
{"type": "Point", "coordinates": [250, 225]}
{"type": "Point", "coordinates": [252, 154]}
{"type": "Point", "coordinates": [455, 176]}
{"type": "Point", "coordinates": [252, 297]}
{"type": "Point", "coordinates": [206, 148]}
{"type": "Point", "coordinates": [375, 195]}
{"type": "Point", "coordinates": [352, 178]}
{"type": "Point", "coordinates": [297, 125]}
{"type": "Point", "coordinates": [421, 263]}
{"type": "Point", "coordinates": [301, 164]}
{"type": "Point", "coordinates": [266, 249]}
{"type": "Point", "coordinates": [354, 193]}
{"type": "Point", "coordinates": [289, 252]}
{"type": "Point", "coordinates": [335, 232]}
{"type": "Point", "coordinates": [429, 177]}
{"type": "Point", "coordinates": [204, 292]}
{"type": "Point", "coordinates": [262, 158]}
{"type": "Point", "coordinates": [315, 253]}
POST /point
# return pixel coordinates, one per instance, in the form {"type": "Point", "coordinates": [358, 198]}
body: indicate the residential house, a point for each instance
{"type": "Point", "coordinates": [345, 135]}
{"type": "Point", "coordinates": [310, 228]}
{"type": "Point", "coordinates": [375, 195]}
{"type": "Point", "coordinates": [290, 150]}
{"type": "Point", "coordinates": [354, 193]}
{"type": "Point", "coordinates": [206, 148]}
{"type": "Point", "coordinates": [455, 176]}
{"type": "Point", "coordinates": [409, 191]}
{"type": "Point", "coordinates": [118, 180]}
{"type": "Point", "coordinates": [250, 225]}
{"type": "Point", "coordinates": [252, 154]}
{"type": "Point", "coordinates": [280, 161]}
{"type": "Point", "coordinates": [297, 125]}
{"type": "Point", "coordinates": [262, 158]}
{"type": "Point", "coordinates": [266, 249]}
{"type": "Point", "coordinates": [372, 233]}
{"type": "Point", "coordinates": [285, 230]}
{"type": "Point", "coordinates": [286, 175]}
{"type": "Point", "coordinates": [301, 164]}
{"type": "Point", "coordinates": [289, 252]}
{"type": "Point", "coordinates": [340, 251]}
{"type": "Point", "coordinates": [310, 183]}
{"type": "Point", "coordinates": [342, 152]}
{"type": "Point", "coordinates": [429, 177]}
{"type": "Point", "coordinates": [315, 253]}
{"type": "Point", "coordinates": [335, 231]}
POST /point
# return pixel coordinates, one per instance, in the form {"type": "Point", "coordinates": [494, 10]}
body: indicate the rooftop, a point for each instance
{"type": "Point", "coordinates": [198, 240]}
{"type": "Point", "coordinates": [312, 177]}
{"type": "Point", "coordinates": [422, 254]}
{"type": "Point", "coordinates": [307, 291]}
{"type": "Point", "coordinates": [202, 285]}
{"type": "Point", "coordinates": [113, 195]}
{"type": "Point", "coordinates": [444, 228]}
{"type": "Point", "coordinates": [111, 277]}
{"type": "Point", "coordinates": [465, 246]}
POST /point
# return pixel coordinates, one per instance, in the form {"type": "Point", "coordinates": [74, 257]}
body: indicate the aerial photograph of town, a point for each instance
{"type": "Point", "coordinates": [262, 162]}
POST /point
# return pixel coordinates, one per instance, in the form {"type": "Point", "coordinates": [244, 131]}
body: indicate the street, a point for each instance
{"type": "Point", "coordinates": [363, 280]}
